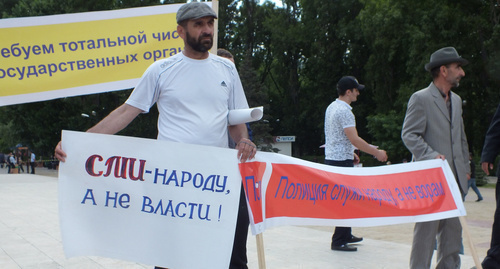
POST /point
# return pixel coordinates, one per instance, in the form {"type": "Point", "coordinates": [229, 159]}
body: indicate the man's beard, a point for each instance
{"type": "Point", "coordinates": [199, 44]}
{"type": "Point", "coordinates": [455, 83]}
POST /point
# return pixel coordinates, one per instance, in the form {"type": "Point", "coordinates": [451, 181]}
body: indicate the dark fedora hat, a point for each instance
{"type": "Point", "coordinates": [444, 56]}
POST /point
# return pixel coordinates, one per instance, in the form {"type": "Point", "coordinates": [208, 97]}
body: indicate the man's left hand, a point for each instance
{"type": "Point", "coordinates": [246, 150]}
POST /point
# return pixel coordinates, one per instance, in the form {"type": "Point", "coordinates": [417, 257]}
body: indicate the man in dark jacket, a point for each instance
{"type": "Point", "coordinates": [491, 149]}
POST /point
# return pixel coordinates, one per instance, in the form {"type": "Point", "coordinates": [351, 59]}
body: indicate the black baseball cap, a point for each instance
{"type": "Point", "coordinates": [349, 82]}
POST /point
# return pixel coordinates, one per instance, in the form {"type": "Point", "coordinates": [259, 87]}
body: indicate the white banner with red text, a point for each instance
{"type": "Point", "coordinates": [282, 190]}
{"type": "Point", "coordinates": [154, 202]}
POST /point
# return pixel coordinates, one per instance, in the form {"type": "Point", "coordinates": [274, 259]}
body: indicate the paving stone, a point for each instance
{"type": "Point", "coordinates": [30, 236]}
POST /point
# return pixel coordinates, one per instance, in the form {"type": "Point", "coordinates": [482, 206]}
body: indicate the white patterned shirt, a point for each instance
{"type": "Point", "coordinates": [338, 116]}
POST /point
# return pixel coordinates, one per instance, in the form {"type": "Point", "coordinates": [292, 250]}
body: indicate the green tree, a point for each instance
{"type": "Point", "coordinates": [290, 58]}
{"type": "Point", "coordinates": [227, 24]}
{"type": "Point", "coordinates": [257, 96]}
{"type": "Point", "coordinates": [329, 53]}
{"type": "Point", "coordinates": [245, 40]}
{"type": "Point", "coordinates": [401, 35]}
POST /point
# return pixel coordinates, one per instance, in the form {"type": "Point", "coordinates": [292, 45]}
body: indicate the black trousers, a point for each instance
{"type": "Point", "coordinates": [32, 164]}
{"type": "Point", "coordinates": [342, 235]}
{"type": "Point", "coordinates": [492, 259]}
{"type": "Point", "coordinates": [239, 255]}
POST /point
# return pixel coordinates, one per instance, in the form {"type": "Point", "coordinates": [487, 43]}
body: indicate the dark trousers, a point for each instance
{"type": "Point", "coordinates": [342, 235]}
{"type": "Point", "coordinates": [32, 164]}
{"type": "Point", "coordinates": [492, 259]}
{"type": "Point", "coordinates": [239, 254]}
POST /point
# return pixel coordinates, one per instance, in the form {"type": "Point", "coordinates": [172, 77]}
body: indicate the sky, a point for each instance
{"type": "Point", "coordinates": [278, 3]}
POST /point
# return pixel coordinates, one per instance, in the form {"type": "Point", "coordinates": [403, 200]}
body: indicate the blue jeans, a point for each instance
{"type": "Point", "coordinates": [472, 183]}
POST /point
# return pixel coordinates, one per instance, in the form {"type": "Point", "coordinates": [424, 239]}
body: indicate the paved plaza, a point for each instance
{"type": "Point", "coordinates": [30, 235]}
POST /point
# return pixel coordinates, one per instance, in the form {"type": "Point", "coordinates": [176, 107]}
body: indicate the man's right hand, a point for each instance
{"type": "Point", "coordinates": [381, 155]}
{"type": "Point", "coordinates": [485, 167]}
{"type": "Point", "coordinates": [59, 153]}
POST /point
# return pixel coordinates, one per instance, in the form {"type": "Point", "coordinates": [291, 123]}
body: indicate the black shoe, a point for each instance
{"type": "Point", "coordinates": [344, 248]}
{"type": "Point", "coordinates": [479, 199]}
{"type": "Point", "coordinates": [355, 239]}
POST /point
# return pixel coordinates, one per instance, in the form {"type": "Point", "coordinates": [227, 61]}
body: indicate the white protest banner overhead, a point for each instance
{"type": "Point", "coordinates": [48, 57]}
{"type": "Point", "coordinates": [154, 202]}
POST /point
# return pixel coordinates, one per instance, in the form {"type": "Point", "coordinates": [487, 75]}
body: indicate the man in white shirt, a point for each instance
{"type": "Point", "coordinates": [194, 90]}
{"type": "Point", "coordinates": [341, 139]}
{"type": "Point", "coordinates": [32, 162]}
{"type": "Point", "coordinates": [12, 162]}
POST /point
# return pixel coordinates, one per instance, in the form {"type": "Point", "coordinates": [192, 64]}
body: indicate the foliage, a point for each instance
{"type": "Point", "coordinates": [6, 140]}
{"type": "Point", "coordinates": [290, 57]}
{"type": "Point", "coordinates": [403, 34]}
{"type": "Point", "coordinates": [257, 96]}
{"type": "Point", "coordinates": [386, 128]}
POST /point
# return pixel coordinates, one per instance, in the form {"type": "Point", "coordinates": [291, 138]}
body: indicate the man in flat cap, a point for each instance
{"type": "Point", "coordinates": [433, 128]}
{"type": "Point", "coordinates": [193, 90]}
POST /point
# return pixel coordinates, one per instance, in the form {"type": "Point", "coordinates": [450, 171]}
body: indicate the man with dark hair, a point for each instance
{"type": "Point", "coordinates": [193, 90]}
{"type": "Point", "coordinates": [341, 139]}
{"type": "Point", "coordinates": [433, 129]}
{"type": "Point", "coordinates": [226, 54]}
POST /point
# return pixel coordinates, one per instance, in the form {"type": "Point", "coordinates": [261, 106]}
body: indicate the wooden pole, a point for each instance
{"type": "Point", "coordinates": [465, 229]}
{"type": "Point", "coordinates": [215, 7]}
{"type": "Point", "coordinates": [260, 251]}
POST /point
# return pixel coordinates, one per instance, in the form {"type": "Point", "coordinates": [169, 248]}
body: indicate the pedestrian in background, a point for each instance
{"type": "Point", "coordinates": [472, 180]}
{"type": "Point", "coordinates": [32, 161]}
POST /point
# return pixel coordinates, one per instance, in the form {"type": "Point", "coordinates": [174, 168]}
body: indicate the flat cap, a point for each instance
{"type": "Point", "coordinates": [194, 10]}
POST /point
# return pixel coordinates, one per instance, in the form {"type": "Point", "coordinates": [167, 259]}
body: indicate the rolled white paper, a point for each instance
{"type": "Point", "coordinates": [239, 116]}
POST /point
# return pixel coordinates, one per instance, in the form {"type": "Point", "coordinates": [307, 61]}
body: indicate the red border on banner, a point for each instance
{"type": "Point", "coordinates": [303, 192]}
{"type": "Point", "coordinates": [252, 174]}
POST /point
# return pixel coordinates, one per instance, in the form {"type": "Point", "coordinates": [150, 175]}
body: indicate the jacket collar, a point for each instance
{"type": "Point", "coordinates": [439, 100]}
